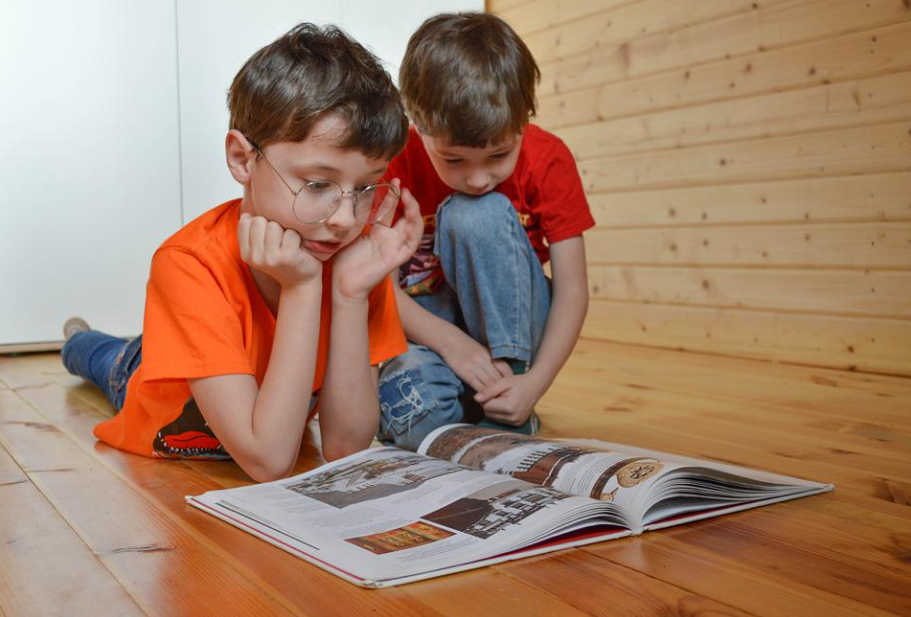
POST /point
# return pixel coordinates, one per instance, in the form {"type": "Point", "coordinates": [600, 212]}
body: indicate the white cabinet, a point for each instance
{"type": "Point", "coordinates": [90, 173]}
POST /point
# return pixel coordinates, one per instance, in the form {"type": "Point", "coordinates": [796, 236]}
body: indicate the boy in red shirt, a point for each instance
{"type": "Point", "coordinates": [499, 197]}
{"type": "Point", "coordinates": [263, 303]}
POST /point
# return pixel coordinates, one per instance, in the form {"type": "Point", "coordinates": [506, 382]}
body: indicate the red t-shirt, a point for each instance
{"type": "Point", "coordinates": [204, 316]}
{"type": "Point", "coordinates": [545, 189]}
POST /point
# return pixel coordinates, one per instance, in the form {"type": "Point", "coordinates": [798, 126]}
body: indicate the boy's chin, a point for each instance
{"type": "Point", "coordinates": [321, 257]}
{"type": "Point", "coordinates": [323, 251]}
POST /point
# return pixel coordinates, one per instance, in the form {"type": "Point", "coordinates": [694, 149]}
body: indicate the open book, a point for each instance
{"type": "Point", "coordinates": [471, 497]}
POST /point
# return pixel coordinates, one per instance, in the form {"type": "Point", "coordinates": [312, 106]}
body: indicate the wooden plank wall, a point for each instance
{"type": "Point", "coordinates": [749, 166]}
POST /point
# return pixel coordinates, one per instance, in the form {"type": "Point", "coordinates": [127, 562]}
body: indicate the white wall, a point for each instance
{"type": "Point", "coordinates": [113, 119]}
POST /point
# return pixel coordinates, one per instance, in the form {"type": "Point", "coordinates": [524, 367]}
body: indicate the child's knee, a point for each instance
{"type": "Point", "coordinates": [418, 393]}
{"type": "Point", "coordinates": [484, 219]}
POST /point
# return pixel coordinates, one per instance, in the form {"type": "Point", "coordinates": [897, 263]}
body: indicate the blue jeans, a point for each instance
{"type": "Point", "coordinates": [105, 360]}
{"type": "Point", "coordinates": [495, 291]}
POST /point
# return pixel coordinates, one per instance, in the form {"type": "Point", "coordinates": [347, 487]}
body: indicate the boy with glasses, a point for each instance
{"type": "Point", "coordinates": [266, 302]}
{"type": "Point", "coordinates": [499, 197]}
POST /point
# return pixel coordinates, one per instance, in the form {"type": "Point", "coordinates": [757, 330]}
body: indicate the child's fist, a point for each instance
{"type": "Point", "coordinates": [270, 248]}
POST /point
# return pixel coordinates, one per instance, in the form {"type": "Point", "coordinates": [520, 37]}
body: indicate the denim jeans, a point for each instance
{"type": "Point", "coordinates": [105, 360]}
{"type": "Point", "coordinates": [495, 291]}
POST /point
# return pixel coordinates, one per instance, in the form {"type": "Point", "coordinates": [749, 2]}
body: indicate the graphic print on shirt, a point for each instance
{"type": "Point", "coordinates": [421, 275]}
{"type": "Point", "coordinates": [189, 437]}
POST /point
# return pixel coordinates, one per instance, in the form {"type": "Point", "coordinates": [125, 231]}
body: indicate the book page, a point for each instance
{"type": "Point", "coordinates": [744, 474]}
{"type": "Point", "coordinates": [647, 485]}
{"type": "Point", "coordinates": [690, 489]}
{"type": "Point", "coordinates": [386, 513]}
{"type": "Point", "coordinates": [606, 475]}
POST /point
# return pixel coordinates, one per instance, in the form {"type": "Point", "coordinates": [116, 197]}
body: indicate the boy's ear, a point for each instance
{"type": "Point", "coordinates": [240, 155]}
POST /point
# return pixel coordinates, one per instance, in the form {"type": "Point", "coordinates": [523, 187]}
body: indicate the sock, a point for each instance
{"type": "Point", "coordinates": [519, 367]}
{"type": "Point", "coordinates": [531, 427]}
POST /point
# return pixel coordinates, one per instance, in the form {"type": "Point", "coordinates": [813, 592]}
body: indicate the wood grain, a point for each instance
{"type": "Point", "coordinates": [875, 149]}
{"type": "Point", "coordinates": [775, 26]}
{"type": "Point", "coordinates": [851, 56]}
{"type": "Point", "coordinates": [44, 565]}
{"type": "Point", "coordinates": [542, 14]}
{"type": "Point", "coordinates": [829, 245]}
{"type": "Point", "coordinates": [876, 100]}
{"type": "Point", "coordinates": [639, 21]}
{"type": "Point", "coordinates": [879, 345]}
{"type": "Point", "coordinates": [827, 292]}
{"type": "Point", "coordinates": [854, 199]}
{"type": "Point", "coordinates": [151, 554]}
{"type": "Point", "coordinates": [842, 553]}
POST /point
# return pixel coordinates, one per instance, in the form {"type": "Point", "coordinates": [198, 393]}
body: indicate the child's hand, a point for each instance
{"type": "Point", "coordinates": [511, 399]}
{"type": "Point", "coordinates": [471, 361]}
{"type": "Point", "coordinates": [276, 251]}
{"type": "Point", "coordinates": [358, 267]}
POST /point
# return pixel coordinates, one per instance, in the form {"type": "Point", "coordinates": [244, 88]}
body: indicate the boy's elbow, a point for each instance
{"type": "Point", "coordinates": [345, 439]}
{"type": "Point", "coordinates": [269, 470]}
{"type": "Point", "coordinates": [336, 449]}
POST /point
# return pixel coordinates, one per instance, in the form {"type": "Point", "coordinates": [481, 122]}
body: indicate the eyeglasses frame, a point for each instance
{"type": "Point", "coordinates": [355, 194]}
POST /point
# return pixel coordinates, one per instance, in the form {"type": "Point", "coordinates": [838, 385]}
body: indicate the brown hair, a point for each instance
{"type": "Point", "coordinates": [290, 84]}
{"type": "Point", "coordinates": [470, 78]}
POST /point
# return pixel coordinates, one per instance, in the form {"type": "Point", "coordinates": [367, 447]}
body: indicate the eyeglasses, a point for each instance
{"type": "Point", "coordinates": [317, 200]}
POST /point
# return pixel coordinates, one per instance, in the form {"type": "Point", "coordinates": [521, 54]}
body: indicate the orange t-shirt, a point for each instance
{"type": "Point", "coordinates": [204, 316]}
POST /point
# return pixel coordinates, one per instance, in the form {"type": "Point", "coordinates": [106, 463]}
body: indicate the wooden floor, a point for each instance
{"type": "Point", "coordinates": [87, 530]}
